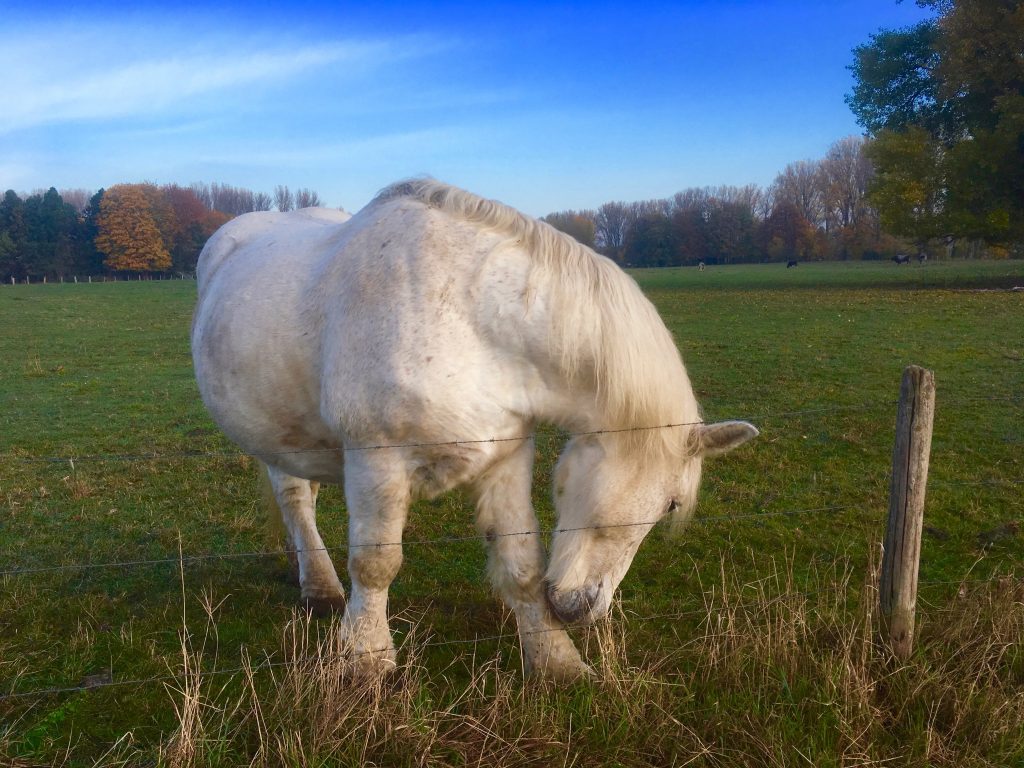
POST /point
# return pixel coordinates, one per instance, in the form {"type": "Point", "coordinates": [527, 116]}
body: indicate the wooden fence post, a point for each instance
{"type": "Point", "coordinates": [902, 553]}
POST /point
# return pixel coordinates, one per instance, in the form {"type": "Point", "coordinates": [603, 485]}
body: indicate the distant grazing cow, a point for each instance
{"type": "Point", "coordinates": [791, 263]}
{"type": "Point", "coordinates": [700, 266]}
{"type": "Point", "coordinates": [901, 258]}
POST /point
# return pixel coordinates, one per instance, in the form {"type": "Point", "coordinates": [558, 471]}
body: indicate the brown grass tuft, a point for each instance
{"type": "Point", "coordinates": [769, 673]}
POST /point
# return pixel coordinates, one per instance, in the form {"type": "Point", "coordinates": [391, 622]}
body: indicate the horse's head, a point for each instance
{"type": "Point", "coordinates": [607, 499]}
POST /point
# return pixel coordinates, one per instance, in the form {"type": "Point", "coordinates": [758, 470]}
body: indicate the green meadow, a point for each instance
{"type": "Point", "coordinates": [748, 638]}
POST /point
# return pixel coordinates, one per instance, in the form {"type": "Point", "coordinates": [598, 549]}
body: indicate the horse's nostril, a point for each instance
{"type": "Point", "coordinates": [574, 605]}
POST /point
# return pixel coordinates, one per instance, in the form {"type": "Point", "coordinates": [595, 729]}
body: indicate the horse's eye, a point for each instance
{"type": "Point", "coordinates": [673, 505]}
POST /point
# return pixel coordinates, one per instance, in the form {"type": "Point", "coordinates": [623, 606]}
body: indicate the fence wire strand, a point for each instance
{"type": "Point", "coordinates": [709, 610]}
{"type": "Point", "coordinates": [711, 520]}
{"type": "Point", "coordinates": [269, 664]}
{"type": "Point", "coordinates": [173, 455]}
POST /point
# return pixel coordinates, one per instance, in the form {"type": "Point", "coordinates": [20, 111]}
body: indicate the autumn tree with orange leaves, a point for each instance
{"type": "Point", "coordinates": [128, 233]}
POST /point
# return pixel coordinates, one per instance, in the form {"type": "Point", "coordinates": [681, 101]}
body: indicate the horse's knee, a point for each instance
{"type": "Point", "coordinates": [375, 567]}
{"type": "Point", "coordinates": [293, 495]}
{"type": "Point", "coordinates": [516, 569]}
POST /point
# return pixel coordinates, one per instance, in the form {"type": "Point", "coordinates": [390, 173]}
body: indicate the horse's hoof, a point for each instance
{"type": "Point", "coordinates": [376, 667]}
{"type": "Point", "coordinates": [324, 607]}
{"type": "Point", "coordinates": [569, 669]}
{"type": "Point", "coordinates": [373, 666]}
{"type": "Point", "coordinates": [569, 673]}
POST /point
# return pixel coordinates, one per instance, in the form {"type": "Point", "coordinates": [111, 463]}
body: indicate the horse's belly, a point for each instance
{"type": "Point", "coordinates": [320, 464]}
{"type": "Point", "coordinates": [259, 383]}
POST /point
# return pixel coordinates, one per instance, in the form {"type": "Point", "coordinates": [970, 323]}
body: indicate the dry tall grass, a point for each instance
{"type": "Point", "coordinates": [765, 676]}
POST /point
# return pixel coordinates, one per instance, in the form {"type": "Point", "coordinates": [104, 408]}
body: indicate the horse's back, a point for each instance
{"type": "Point", "coordinates": [250, 233]}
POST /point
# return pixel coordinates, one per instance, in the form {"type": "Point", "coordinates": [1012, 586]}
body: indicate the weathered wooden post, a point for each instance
{"type": "Point", "coordinates": [902, 553]}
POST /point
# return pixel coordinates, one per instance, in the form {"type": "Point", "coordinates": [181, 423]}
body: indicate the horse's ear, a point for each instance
{"type": "Point", "coordinates": [723, 436]}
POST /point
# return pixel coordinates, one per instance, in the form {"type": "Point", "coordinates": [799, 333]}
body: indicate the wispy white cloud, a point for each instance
{"type": "Point", "coordinates": [74, 76]}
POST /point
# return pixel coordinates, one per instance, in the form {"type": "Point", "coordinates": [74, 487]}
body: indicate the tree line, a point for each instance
{"type": "Point", "coordinates": [128, 228]}
{"type": "Point", "coordinates": [815, 209]}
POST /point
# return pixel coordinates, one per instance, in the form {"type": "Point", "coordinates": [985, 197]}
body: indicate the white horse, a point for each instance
{"type": "Point", "coordinates": [396, 343]}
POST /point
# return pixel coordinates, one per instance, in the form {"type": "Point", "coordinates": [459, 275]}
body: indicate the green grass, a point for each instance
{"type": "Point", "coordinates": [812, 355]}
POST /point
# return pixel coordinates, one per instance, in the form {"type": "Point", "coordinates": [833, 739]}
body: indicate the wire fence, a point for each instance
{"type": "Point", "coordinates": [765, 416]}
{"type": "Point", "coordinates": [199, 454]}
{"type": "Point", "coordinates": [403, 543]}
{"type": "Point", "coordinates": [708, 611]}
{"type": "Point", "coordinates": [268, 664]}
{"type": "Point", "coordinates": [182, 560]}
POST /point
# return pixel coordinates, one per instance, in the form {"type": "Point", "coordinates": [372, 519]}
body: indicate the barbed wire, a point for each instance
{"type": "Point", "coordinates": [411, 542]}
{"type": "Point", "coordinates": [182, 560]}
{"type": "Point", "coordinates": [943, 397]}
{"type": "Point", "coordinates": [995, 481]}
{"type": "Point", "coordinates": [70, 458]}
{"type": "Point", "coordinates": [154, 456]}
{"type": "Point", "coordinates": [348, 656]}
{"type": "Point", "coordinates": [709, 610]}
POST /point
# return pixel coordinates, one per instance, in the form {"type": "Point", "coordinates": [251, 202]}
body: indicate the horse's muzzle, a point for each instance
{"type": "Point", "coordinates": [575, 606]}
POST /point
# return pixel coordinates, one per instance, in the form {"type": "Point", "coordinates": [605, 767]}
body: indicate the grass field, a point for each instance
{"type": "Point", "coordinates": [745, 641]}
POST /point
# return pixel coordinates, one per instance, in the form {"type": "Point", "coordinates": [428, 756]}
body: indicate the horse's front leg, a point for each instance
{"type": "Point", "coordinates": [377, 495]}
{"type": "Point", "coordinates": [506, 519]}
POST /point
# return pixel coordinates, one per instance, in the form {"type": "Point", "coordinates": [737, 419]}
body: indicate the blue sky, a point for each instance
{"type": "Point", "coordinates": [546, 106]}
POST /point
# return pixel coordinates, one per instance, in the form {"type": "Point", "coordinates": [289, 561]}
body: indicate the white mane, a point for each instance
{"type": "Point", "coordinates": [605, 331]}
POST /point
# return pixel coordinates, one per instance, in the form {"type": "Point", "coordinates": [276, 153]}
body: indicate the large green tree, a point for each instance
{"type": "Point", "coordinates": [51, 234]}
{"type": "Point", "coordinates": [12, 229]}
{"type": "Point", "coordinates": [981, 72]}
{"type": "Point", "coordinates": [895, 84]}
{"type": "Point", "coordinates": [944, 103]}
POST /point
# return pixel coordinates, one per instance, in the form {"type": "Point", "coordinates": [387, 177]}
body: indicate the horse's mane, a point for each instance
{"type": "Point", "coordinates": [604, 330]}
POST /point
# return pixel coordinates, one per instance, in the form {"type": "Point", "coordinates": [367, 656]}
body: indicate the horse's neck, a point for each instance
{"type": "Point", "coordinates": [582, 349]}
{"type": "Point", "coordinates": [625, 359]}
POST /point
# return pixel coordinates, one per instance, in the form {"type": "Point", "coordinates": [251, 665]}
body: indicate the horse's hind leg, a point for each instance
{"type": "Point", "coordinates": [506, 519]}
{"type": "Point", "coordinates": [296, 498]}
